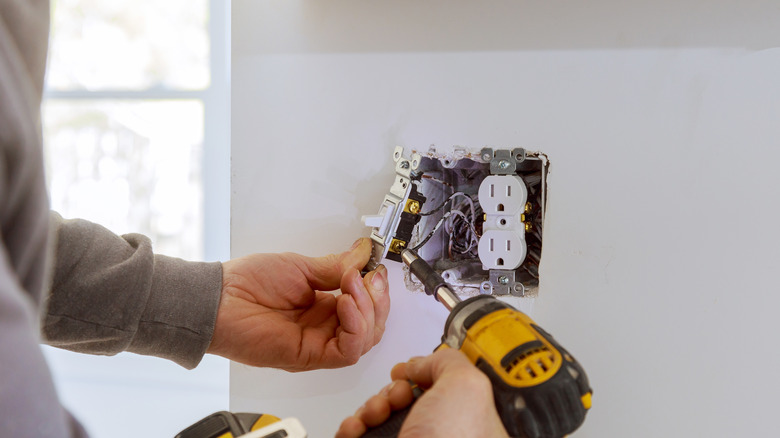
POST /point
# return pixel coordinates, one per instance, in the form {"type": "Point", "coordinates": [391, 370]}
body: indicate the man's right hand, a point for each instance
{"type": "Point", "coordinates": [458, 400]}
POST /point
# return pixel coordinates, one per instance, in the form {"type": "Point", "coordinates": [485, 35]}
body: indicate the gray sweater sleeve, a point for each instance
{"type": "Point", "coordinates": [111, 294]}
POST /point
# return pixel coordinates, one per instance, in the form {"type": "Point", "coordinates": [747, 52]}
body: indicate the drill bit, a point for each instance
{"type": "Point", "coordinates": [434, 284]}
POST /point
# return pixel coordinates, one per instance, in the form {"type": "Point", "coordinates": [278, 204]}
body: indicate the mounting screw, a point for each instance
{"type": "Point", "coordinates": [504, 164]}
{"type": "Point", "coordinates": [404, 164]}
{"type": "Point", "coordinates": [503, 280]}
{"type": "Point", "coordinates": [486, 157]}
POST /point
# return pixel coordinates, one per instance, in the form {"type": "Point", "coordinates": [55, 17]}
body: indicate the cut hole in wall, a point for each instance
{"type": "Point", "coordinates": [481, 225]}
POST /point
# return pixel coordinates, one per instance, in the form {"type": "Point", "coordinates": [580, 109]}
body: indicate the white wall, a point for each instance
{"type": "Point", "coordinates": [661, 121]}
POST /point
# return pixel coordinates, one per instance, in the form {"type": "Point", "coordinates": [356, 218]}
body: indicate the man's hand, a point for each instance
{"type": "Point", "coordinates": [458, 400]}
{"type": "Point", "coordinates": [274, 311]}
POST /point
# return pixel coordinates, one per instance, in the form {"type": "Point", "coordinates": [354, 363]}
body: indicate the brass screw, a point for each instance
{"type": "Point", "coordinates": [413, 206]}
{"type": "Point", "coordinates": [397, 246]}
{"type": "Point", "coordinates": [528, 226]}
{"type": "Point", "coordinates": [529, 207]}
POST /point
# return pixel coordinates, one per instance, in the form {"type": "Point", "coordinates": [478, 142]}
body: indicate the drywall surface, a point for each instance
{"type": "Point", "coordinates": [662, 124]}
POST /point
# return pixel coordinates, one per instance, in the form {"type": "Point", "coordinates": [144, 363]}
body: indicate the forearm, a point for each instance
{"type": "Point", "coordinates": [112, 294]}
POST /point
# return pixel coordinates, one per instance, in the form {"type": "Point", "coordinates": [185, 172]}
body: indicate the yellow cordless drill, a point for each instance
{"type": "Point", "coordinates": [225, 424]}
{"type": "Point", "coordinates": [540, 390]}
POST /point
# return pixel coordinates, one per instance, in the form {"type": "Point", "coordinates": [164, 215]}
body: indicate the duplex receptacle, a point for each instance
{"type": "Point", "coordinates": [481, 227]}
{"type": "Point", "coordinates": [502, 244]}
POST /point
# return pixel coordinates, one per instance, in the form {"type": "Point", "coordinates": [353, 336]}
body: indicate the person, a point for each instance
{"type": "Point", "coordinates": [75, 285]}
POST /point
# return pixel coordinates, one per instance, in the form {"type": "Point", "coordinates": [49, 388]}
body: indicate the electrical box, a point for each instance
{"type": "Point", "coordinates": [476, 216]}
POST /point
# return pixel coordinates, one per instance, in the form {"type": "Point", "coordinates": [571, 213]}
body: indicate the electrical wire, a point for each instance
{"type": "Point", "coordinates": [441, 221]}
{"type": "Point", "coordinates": [449, 198]}
{"type": "Point", "coordinates": [442, 182]}
{"type": "Point", "coordinates": [463, 237]}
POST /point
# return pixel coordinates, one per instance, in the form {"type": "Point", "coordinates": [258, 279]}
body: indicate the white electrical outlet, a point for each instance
{"type": "Point", "coordinates": [502, 245]}
{"type": "Point", "coordinates": [481, 225]}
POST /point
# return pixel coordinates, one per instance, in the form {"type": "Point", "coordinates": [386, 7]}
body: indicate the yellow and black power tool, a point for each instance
{"type": "Point", "coordinates": [540, 390]}
{"type": "Point", "coordinates": [225, 424]}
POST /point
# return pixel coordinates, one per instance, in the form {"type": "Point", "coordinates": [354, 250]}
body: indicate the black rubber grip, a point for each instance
{"type": "Point", "coordinates": [391, 427]}
{"type": "Point", "coordinates": [429, 278]}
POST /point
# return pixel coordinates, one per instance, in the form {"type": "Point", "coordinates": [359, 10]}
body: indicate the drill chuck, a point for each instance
{"type": "Point", "coordinates": [434, 284]}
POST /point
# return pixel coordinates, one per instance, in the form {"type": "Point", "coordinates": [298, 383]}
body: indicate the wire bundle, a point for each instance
{"type": "Point", "coordinates": [459, 223]}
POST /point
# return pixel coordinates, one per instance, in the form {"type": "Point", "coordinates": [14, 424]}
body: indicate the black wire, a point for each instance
{"type": "Point", "coordinates": [433, 231]}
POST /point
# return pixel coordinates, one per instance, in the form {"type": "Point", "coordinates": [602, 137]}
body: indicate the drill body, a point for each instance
{"type": "Point", "coordinates": [540, 390]}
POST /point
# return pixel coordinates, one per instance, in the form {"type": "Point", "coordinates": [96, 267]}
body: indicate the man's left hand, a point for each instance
{"type": "Point", "coordinates": [275, 310]}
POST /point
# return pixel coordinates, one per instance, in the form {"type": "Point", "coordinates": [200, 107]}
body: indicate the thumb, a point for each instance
{"type": "Point", "coordinates": [324, 273]}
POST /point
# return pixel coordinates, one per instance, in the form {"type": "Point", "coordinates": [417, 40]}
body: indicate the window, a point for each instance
{"type": "Point", "coordinates": [136, 138]}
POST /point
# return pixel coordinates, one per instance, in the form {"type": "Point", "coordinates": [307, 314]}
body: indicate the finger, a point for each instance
{"type": "Point", "coordinates": [399, 394]}
{"type": "Point", "coordinates": [377, 286]}
{"type": "Point", "coordinates": [376, 410]}
{"type": "Point", "coordinates": [431, 368]}
{"type": "Point", "coordinates": [324, 273]}
{"type": "Point", "coordinates": [347, 347]}
{"type": "Point", "coordinates": [353, 285]}
{"type": "Point", "coordinates": [399, 372]}
{"type": "Point", "coordinates": [351, 427]}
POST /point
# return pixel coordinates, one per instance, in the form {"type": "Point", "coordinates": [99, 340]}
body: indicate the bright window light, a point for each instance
{"type": "Point", "coordinates": [129, 45]}
{"type": "Point", "coordinates": [133, 166]}
{"type": "Point", "coordinates": [136, 138]}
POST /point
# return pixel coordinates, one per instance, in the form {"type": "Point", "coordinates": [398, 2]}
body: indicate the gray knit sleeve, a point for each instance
{"type": "Point", "coordinates": [111, 294]}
